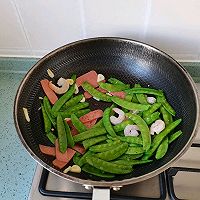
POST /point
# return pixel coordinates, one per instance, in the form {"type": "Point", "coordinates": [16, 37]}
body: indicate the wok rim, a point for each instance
{"type": "Point", "coordinates": [116, 182]}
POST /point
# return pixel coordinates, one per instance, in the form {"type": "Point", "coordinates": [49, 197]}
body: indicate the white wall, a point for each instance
{"type": "Point", "coordinates": [35, 27]}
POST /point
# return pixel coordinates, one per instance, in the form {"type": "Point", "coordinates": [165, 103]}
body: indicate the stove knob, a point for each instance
{"type": "Point", "coordinates": [116, 188]}
{"type": "Point", "coordinates": [88, 187]}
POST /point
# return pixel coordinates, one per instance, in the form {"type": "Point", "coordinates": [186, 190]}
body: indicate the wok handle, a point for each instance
{"type": "Point", "coordinates": [101, 193]}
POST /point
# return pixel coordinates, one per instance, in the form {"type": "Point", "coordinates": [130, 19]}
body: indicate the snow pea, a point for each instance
{"type": "Point", "coordinates": [96, 172]}
{"type": "Point", "coordinates": [92, 141]}
{"type": "Point", "coordinates": [95, 93]}
{"type": "Point", "coordinates": [70, 139]}
{"type": "Point", "coordinates": [162, 149]}
{"type": "Point", "coordinates": [131, 162]}
{"type": "Point", "coordinates": [82, 160]}
{"type": "Point", "coordinates": [113, 88]}
{"type": "Point", "coordinates": [80, 113]}
{"type": "Point", "coordinates": [140, 96]}
{"type": "Point", "coordinates": [167, 117]}
{"type": "Point", "coordinates": [78, 124]}
{"type": "Point", "coordinates": [106, 122]}
{"type": "Point", "coordinates": [134, 98]}
{"type": "Point", "coordinates": [98, 124]}
{"type": "Point", "coordinates": [47, 122]}
{"type": "Point", "coordinates": [142, 90]}
{"type": "Point", "coordinates": [129, 105]}
{"type": "Point", "coordinates": [144, 129]}
{"type": "Point", "coordinates": [108, 166]}
{"type": "Point", "coordinates": [131, 139]}
{"type": "Point", "coordinates": [134, 150]}
{"type": "Point", "coordinates": [114, 153]}
{"type": "Point", "coordinates": [76, 159]}
{"type": "Point", "coordinates": [159, 138]}
{"type": "Point", "coordinates": [152, 118]}
{"type": "Point", "coordinates": [128, 97]}
{"type": "Point", "coordinates": [73, 101]}
{"type": "Point", "coordinates": [47, 107]}
{"type": "Point", "coordinates": [61, 101]}
{"type": "Point", "coordinates": [51, 137]}
{"type": "Point", "coordinates": [174, 136]}
{"type": "Point", "coordinates": [151, 110]}
{"type": "Point", "coordinates": [122, 125]}
{"type": "Point", "coordinates": [130, 156]}
{"type": "Point", "coordinates": [62, 137]}
{"type": "Point", "coordinates": [115, 81]}
{"type": "Point", "coordinates": [73, 109]}
{"type": "Point", "coordinates": [104, 147]}
{"type": "Point", "coordinates": [166, 105]}
{"type": "Point", "coordinates": [89, 134]}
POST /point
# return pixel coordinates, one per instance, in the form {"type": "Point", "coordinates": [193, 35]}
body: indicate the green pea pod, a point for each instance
{"type": "Point", "coordinates": [152, 118]}
{"type": "Point", "coordinates": [89, 134]}
{"type": "Point", "coordinates": [134, 150]}
{"type": "Point", "coordinates": [113, 153]}
{"type": "Point", "coordinates": [128, 97]}
{"type": "Point", "coordinates": [96, 172]}
{"type": "Point", "coordinates": [82, 160]}
{"type": "Point", "coordinates": [166, 105]}
{"type": "Point", "coordinates": [108, 166]}
{"type": "Point", "coordinates": [130, 156]}
{"type": "Point", "coordinates": [76, 158]}
{"type": "Point", "coordinates": [140, 96]}
{"type": "Point", "coordinates": [74, 109]}
{"type": "Point", "coordinates": [78, 124]}
{"type": "Point", "coordinates": [70, 139]}
{"type": "Point", "coordinates": [61, 101]}
{"type": "Point", "coordinates": [104, 147]}
{"type": "Point", "coordinates": [92, 141]}
{"type": "Point", "coordinates": [134, 145]}
{"type": "Point", "coordinates": [131, 139]}
{"type": "Point", "coordinates": [51, 137]}
{"type": "Point", "coordinates": [122, 125]}
{"type": "Point", "coordinates": [113, 88]}
{"type": "Point", "coordinates": [131, 162]}
{"type": "Point", "coordinates": [109, 140]}
{"type": "Point", "coordinates": [144, 129]}
{"type": "Point", "coordinates": [106, 122]}
{"type": "Point", "coordinates": [73, 101]}
{"type": "Point", "coordinates": [158, 138]}
{"type": "Point", "coordinates": [62, 136]}
{"type": "Point", "coordinates": [167, 117]}
{"type": "Point", "coordinates": [174, 136]}
{"type": "Point", "coordinates": [129, 105]}
{"type": "Point", "coordinates": [134, 98]}
{"type": "Point", "coordinates": [47, 122]}
{"type": "Point", "coordinates": [142, 90]}
{"type": "Point", "coordinates": [47, 107]}
{"type": "Point", "coordinates": [95, 93]}
{"type": "Point", "coordinates": [151, 110]}
{"type": "Point", "coordinates": [80, 113]}
{"type": "Point", "coordinates": [98, 124]}
{"type": "Point", "coordinates": [115, 81]}
{"type": "Point", "coordinates": [162, 149]}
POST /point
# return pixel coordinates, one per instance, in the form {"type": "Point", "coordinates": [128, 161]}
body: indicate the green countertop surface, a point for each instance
{"type": "Point", "coordinates": [16, 166]}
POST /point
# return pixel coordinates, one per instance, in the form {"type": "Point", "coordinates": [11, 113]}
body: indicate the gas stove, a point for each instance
{"type": "Point", "coordinates": [180, 181]}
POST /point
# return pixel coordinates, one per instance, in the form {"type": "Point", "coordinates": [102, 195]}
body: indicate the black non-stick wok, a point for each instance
{"type": "Point", "coordinates": [131, 62]}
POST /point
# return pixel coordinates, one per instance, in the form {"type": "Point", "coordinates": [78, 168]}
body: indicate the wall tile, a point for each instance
{"type": "Point", "coordinates": [115, 18]}
{"type": "Point", "coordinates": [174, 26]}
{"type": "Point", "coordinates": [11, 34]}
{"type": "Point", "coordinates": [50, 24]}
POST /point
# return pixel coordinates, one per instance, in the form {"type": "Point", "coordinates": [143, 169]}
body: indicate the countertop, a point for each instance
{"type": "Point", "coordinates": [16, 166]}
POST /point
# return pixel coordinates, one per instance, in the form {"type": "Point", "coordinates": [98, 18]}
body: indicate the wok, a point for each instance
{"type": "Point", "coordinates": [130, 61]}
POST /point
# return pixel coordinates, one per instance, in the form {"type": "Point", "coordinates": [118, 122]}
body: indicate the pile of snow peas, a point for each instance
{"type": "Point", "coordinates": [108, 151]}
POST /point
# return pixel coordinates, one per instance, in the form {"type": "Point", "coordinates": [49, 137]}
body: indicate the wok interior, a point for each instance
{"type": "Point", "coordinates": [128, 61]}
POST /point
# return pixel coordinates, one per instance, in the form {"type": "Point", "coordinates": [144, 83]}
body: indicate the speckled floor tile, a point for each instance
{"type": "Point", "coordinates": [16, 166]}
